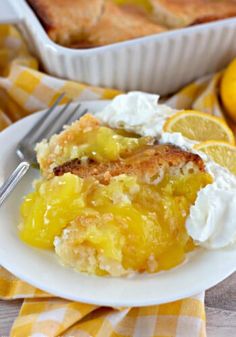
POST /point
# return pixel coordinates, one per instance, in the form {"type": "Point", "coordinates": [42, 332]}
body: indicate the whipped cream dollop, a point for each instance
{"type": "Point", "coordinates": [212, 219]}
{"type": "Point", "coordinates": [138, 112]}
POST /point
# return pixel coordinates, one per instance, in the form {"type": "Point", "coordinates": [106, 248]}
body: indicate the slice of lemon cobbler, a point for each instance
{"type": "Point", "coordinates": [111, 202]}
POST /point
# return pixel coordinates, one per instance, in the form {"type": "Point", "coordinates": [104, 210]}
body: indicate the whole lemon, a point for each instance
{"type": "Point", "coordinates": [228, 89]}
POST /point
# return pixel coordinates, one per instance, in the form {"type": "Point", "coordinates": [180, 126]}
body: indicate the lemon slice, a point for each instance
{"type": "Point", "coordinates": [199, 126]}
{"type": "Point", "coordinates": [222, 153]}
{"type": "Point", "coordinates": [228, 90]}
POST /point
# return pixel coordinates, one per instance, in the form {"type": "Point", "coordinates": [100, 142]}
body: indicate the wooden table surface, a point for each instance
{"type": "Point", "coordinates": [220, 308]}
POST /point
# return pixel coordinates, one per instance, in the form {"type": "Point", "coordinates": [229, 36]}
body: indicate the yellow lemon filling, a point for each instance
{"type": "Point", "coordinates": [114, 229]}
{"type": "Point", "coordinates": [96, 142]}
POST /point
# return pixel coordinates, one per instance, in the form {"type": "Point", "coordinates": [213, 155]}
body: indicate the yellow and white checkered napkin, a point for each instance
{"type": "Point", "coordinates": [42, 315]}
{"type": "Point", "coordinates": [23, 90]}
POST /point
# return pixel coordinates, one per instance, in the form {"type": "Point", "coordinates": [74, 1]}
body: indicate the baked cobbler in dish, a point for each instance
{"type": "Point", "coordinates": [93, 23]}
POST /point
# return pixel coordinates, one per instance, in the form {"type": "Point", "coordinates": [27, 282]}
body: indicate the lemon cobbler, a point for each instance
{"type": "Point", "coordinates": [111, 202]}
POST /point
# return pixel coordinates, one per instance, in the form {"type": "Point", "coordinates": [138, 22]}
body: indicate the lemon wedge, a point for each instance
{"type": "Point", "coordinates": [199, 126]}
{"type": "Point", "coordinates": [222, 153]}
{"type": "Point", "coordinates": [228, 89]}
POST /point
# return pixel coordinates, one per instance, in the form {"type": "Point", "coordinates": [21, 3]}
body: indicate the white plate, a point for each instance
{"type": "Point", "coordinates": [41, 268]}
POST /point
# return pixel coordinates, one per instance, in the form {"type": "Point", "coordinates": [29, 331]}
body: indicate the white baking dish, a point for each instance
{"type": "Point", "coordinates": [159, 63]}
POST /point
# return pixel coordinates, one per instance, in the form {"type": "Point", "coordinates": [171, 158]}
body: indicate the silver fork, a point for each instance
{"type": "Point", "coordinates": [46, 126]}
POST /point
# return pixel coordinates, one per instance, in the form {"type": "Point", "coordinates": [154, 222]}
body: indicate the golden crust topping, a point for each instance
{"type": "Point", "coordinates": [181, 13]}
{"type": "Point", "coordinates": [67, 21]}
{"type": "Point", "coordinates": [148, 164]}
{"type": "Point", "coordinates": [83, 23]}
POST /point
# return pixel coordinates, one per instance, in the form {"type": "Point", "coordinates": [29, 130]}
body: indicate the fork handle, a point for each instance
{"type": "Point", "coordinates": [13, 180]}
